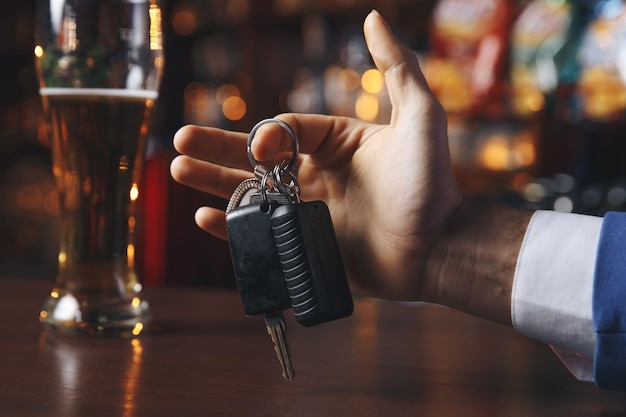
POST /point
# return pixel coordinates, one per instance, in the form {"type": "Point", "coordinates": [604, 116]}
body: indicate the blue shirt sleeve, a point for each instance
{"type": "Point", "coordinates": [609, 304]}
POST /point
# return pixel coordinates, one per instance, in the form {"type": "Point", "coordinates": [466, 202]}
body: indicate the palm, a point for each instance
{"type": "Point", "coordinates": [385, 224]}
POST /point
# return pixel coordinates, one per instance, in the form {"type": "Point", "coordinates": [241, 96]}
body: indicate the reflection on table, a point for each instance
{"type": "Point", "coordinates": [203, 357]}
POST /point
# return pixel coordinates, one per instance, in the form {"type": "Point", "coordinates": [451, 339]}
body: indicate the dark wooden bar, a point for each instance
{"type": "Point", "coordinates": [203, 357]}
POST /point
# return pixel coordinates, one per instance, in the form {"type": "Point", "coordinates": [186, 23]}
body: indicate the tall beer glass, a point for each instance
{"type": "Point", "coordinates": [99, 64]}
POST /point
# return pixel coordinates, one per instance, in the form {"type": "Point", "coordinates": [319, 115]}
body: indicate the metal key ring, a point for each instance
{"type": "Point", "coordinates": [291, 189]}
{"type": "Point", "coordinates": [294, 146]}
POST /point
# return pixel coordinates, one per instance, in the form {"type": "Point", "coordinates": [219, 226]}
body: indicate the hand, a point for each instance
{"type": "Point", "coordinates": [390, 189]}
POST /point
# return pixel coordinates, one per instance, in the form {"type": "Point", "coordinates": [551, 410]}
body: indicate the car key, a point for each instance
{"type": "Point", "coordinates": [312, 294]}
{"type": "Point", "coordinates": [311, 262]}
{"type": "Point", "coordinates": [256, 264]}
{"type": "Point", "coordinates": [255, 258]}
{"type": "Point", "coordinates": [275, 324]}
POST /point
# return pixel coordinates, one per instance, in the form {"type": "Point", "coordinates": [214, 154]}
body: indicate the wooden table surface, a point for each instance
{"type": "Point", "coordinates": [203, 357]}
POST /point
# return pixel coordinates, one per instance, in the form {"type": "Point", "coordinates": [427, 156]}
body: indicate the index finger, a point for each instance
{"type": "Point", "coordinates": [317, 134]}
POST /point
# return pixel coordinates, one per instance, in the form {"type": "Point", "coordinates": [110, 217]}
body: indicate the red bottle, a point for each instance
{"type": "Point", "coordinates": [468, 45]}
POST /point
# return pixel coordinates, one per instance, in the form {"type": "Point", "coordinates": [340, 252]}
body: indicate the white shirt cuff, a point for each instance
{"type": "Point", "coordinates": [552, 290]}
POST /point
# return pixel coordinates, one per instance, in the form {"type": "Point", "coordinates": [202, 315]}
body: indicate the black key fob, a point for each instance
{"type": "Point", "coordinates": [311, 263]}
{"type": "Point", "coordinates": [255, 259]}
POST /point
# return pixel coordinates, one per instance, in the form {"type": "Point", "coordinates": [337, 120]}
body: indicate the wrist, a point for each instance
{"type": "Point", "coordinates": [471, 266]}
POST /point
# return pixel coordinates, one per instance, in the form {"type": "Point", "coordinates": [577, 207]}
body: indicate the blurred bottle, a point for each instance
{"type": "Point", "coordinates": [544, 73]}
{"type": "Point", "coordinates": [601, 93]}
{"type": "Point", "coordinates": [541, 63]}
{"type": "Point", "coordinates": [467, 68]}
{"type": "Point", "coordinates": [468, 43]}
{"type": "Point", "coordinates": [602, 57]}
{"type": "Point", "coordinates": [568, 77]}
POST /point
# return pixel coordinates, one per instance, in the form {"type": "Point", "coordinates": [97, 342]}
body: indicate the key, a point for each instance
{"type": "Point", "coordinates": [274, 322]}
{"type": "Point", "coordinates": [311, 263]}
{"type": "Point", "coordinates": [277, 198]}
{"type": "Point", "coordinates": [255, 258]}
{"type": "Point", "coordinates": [277, 330]}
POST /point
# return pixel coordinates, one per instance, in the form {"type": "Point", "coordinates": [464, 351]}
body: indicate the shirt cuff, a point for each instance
{"type": "Point", "coordinates": [552, 289]}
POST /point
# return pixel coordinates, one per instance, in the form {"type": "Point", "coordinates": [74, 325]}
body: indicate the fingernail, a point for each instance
{"type": "Point", "coordinates": [382, 19]}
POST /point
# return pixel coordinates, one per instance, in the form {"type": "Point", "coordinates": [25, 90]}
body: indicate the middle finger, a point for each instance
{"type": "Point", "coordinates": [213, 145]}
{"type": "Point", "coordinates": [206, 176]}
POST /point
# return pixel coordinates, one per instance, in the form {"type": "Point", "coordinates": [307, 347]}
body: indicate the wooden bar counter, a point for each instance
{"type": "Point", "coordinates": [203, 357]}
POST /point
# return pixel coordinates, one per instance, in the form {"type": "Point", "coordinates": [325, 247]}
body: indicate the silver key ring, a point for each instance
{"type": "Point", "coordinates": [268, 176]}
{"type": "Point", "coordinates": [291, 189]}
{"type": "Point", "coordinates": [258, 168]}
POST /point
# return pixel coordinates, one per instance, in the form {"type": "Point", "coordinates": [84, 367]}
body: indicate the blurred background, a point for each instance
{"type": "Point", "coordinates": [535, 91]}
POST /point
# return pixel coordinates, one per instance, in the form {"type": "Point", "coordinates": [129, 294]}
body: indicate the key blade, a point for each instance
{"type": "Point", "coordinates": [276, 329]}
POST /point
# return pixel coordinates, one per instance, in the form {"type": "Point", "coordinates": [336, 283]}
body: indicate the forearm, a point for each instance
{"type": "Point", "coordinates": [472, 265]}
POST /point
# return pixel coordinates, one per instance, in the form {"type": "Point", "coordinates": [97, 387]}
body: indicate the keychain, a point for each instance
{"type": "Point", "coordinates": [284, 251]}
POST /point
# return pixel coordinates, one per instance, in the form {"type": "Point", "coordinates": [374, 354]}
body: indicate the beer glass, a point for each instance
{"type": "Point", "coordinates": [99, 64]}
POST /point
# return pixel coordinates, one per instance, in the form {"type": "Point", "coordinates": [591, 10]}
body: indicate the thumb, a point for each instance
{"type": "Point", "coordinates": [398, 63]}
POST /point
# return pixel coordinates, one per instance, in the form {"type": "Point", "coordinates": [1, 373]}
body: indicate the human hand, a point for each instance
{"type": "Point", "coordinates": [390, 189]}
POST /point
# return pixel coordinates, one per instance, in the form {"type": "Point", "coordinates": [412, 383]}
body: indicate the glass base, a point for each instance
{"type": "Point", "coordinates": [66, 314]}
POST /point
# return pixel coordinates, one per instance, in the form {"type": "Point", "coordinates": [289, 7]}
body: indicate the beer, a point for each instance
{"type": "Point", "coordinates": [98, 139]}
{"type": "Point", "coordinates": [99, 66]}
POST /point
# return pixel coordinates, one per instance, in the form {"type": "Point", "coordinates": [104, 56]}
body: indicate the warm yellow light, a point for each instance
{"type": "Point", "coordinates": [156, 37]}
{"type": "Point", "coordinates": [372, 81]}
{"type": "Point", "coordinates": [43, 315]}
{"type": "Point", "coordinates": [234, 108]}
{"type": "Point", "coordinates": [137, 350]}
{"type": "Point", "coordinates": [134, 192]}
{"type": "Point", "coordinates": [366, 107]}
{"type": "Point", "coordinates": [136, 302]}
{"type": "Point", "coordinates": [130, 254]}
{"type": "Point", "coordinates": [38, 51]}
{"type": "Point", "coordinates": [62, 258]}
{"type": "Point", "coordinates": [536, 101]}
{"type": "Point", "coordinates": [137, 329]}
{"type": "Point", "coordinates": [495, 153]}
{"type": "Point", "coordinates": [525, 154]}
{"type": "Point", "coordinates": [195, 93]}
{"type": "Point", "coordinates": [54, 294]}
{"type": "Point", "coordinates": [123, 165]}
{"type": "Point", "coordinates": [227, 91]}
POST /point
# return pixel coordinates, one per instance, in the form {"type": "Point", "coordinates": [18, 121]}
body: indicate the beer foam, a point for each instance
{"type": "Point", "coordinates": [108, 92]}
